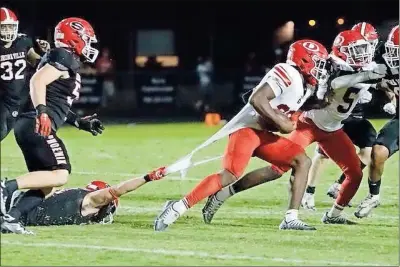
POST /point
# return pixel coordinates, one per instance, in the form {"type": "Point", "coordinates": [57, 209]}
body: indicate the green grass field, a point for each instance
{"type": "Point", "coordinates": [244, 232]}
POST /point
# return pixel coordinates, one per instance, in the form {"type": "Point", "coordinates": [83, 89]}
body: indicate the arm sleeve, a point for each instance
{"type": "Point", "coordinates": [278, 79]}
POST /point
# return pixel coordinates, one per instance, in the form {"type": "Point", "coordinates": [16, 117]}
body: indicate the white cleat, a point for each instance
{"type": "Point", "coordinates": [295, 224]}
{"type": "Point", "coordinates": [308, 202]}
{"type": "Point", "coordinates": [333, 190]}
{"type": "Point", "coordinates": [211, 207]}
{"type": "Point", "coordinates": [367, 205]}
{"type": "Point", "coordinates": [10, 225]}
{"type": "Point", "coordinates": [341, 219]}
{"type": "Point", "coordinates": [167, 216]}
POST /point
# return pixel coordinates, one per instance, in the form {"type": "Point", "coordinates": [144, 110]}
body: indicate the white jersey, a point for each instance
{"type": "Point", "coordinates": [287, 84]}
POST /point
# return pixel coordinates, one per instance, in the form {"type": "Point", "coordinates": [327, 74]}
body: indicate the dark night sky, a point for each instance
{"type": "Point", "coordinates": [238, 27]}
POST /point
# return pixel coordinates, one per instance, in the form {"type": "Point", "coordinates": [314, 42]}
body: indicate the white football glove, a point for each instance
{"type": "Point", "coordinates": [322, 88]}
{"type": "Point", "coordinates": [365, 98]}
{"type": "Point", "coordinates": [379, 71]}
{"type": "Point", "coordinates": [390, 108]}
{"type": "Point", "coordinates": [44, 45]}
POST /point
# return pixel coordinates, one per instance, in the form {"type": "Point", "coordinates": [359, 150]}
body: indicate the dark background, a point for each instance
{"type": "Point", "coordinates": [225, 30]}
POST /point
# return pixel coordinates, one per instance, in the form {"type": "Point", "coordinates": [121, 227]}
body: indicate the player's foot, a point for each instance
{"type": "Point", "coordinates": [167, 216]}
{"type": "Point", "coordinates": [11, 225]}
{"type": "Point", "coordinates": [333, 190]}
{"type": "Point", "coordinates": [308, 202]}
{"type": "Point", "coordinates": [211, 207]}
{"type": "Point", "coordinates": [336, 220]}
{"type": "Point", "coordinates": [295, 224]}
{"type": "Point", "coordinates": [367, 205]}
{"type": "Point", "coordinates": [4, 196]}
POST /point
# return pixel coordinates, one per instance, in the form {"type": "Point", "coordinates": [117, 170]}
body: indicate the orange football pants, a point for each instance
{"type": "Point", "coordinates": [247, 142]}
{"type": "Point", "coordinates": [338, 146]}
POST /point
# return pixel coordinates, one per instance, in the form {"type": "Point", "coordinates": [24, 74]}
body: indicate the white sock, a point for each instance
{"type": "Point", "coordinates": [181, 206]}
{"type": "Point", "coordinates": [335, 211]}
{"type": "Point", "coordinates": [291, 215]}
{"type": "Point", "coordinates": [225, 193]}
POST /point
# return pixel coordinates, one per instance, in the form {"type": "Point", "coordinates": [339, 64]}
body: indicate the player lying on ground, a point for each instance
{"type": "Point", "coordinates": [350, 52]}
{"type": "Point", "coordinates": [284, 88]}
{"type": "Point", "coordinates": [387, 141]}
{"type": "Point", "coordinates": [96, 203]}
{"type": "Point", "coordinates": [17, 50]}
{"type": "Point", "coordinates": [52, 90]}
{"type": "Point", "coordinates": [361, 132]}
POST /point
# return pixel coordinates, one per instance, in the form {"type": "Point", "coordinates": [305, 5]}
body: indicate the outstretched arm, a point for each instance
{"type": "Point", "coordinates": [100, 198]}
{"type": "Point", "coordinates": [90, 123]}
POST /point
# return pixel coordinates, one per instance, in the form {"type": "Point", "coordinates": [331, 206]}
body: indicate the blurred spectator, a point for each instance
{"type": "Point", "coordinates": [204, 69]}
{"type": "Point", "coordinates": [251, 65]}
{"type": "Point", "coordinates": [105, 69]}
{"type": "Point", "coordinates": [152, 63]}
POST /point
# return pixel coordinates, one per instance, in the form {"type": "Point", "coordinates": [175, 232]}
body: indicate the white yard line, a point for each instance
{"type": "Point", "coordinates": [188, 253]}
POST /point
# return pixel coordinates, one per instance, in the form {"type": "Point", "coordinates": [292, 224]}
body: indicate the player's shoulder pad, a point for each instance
{"type": "Point", "coordinates": [62, 60]}
{"type": "Point", "coordinates": [286, 74]}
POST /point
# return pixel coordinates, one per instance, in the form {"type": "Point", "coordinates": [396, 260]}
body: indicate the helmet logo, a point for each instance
{"type": "Point", "coordinates": [311, 46]}
{"type": "Point", "coordinates": [76, 25]}
{"type": "Point", "coordinates": [338, 41]}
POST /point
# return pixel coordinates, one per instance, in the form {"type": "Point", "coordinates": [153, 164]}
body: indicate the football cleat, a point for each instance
{"type": "Point", "coordinates": [333, 191]}
{"type": "Point", "coordinates": [308, 202]}
{"type": "Point", "coordinates": [336, 220]}
{"type": "Point", "coordinates": [367, 205]}
{"type": "Point", "coordinates": [11, 225]}
{"type": "Point", "coordinates": [167, 216]}
{"type": "Point", "coordinates": [295, 224]}
{"type": "Point", "coordinates": [4, 196]}
{"type": "Point", "coordinates": [211, 207]}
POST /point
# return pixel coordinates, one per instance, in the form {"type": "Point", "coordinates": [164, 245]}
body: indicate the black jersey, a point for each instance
{"type": "Point", "coordinates": [13, 66]}
{"type": "Point", "coordinates": [61, 92]}
{"type": "Point", "coordinates": [64, 208]}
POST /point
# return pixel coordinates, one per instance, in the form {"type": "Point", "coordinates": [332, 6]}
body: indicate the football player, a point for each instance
{"type": "Point", "coordinates": [361, 132]}
{"type": "Point", "coordinates": [96, 203]}
{"type": "Point", "coordinates": [53, 88]}
{"type": "Point", "coordinates": [284, 88]}
{"type": "Point", "coordinates": [387, 141]}
{"type": "Point", "coordinates": [350, 52]}
{"type": "Point", "coordinates": [17, 50]}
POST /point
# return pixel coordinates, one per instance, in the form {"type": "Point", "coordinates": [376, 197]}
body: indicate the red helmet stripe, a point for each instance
{"type": "Point", "coordinates": [6, 12]}
{"type": "Point", "coordinates": [363, 26]}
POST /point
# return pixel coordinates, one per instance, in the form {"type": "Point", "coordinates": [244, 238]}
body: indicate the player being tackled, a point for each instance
{"type": "Point", "coordinates": [285, 88]}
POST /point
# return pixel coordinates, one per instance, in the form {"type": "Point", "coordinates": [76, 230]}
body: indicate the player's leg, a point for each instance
{"type": "Point", "coordinates": [270, 152]}
{"type": "Point", "coordinates": [238, 153]}
{"type": "Point", "coordinates": [338, 146]}
{"type": "Point", "coordinates": [363, 134]}
{"type": "Point", "coordinates": [317, 164]}
{"type": "Point", "coordinates": [48, 162]}
{"type": "Point", "coordinates": [7, 119]}
{"type": "Point", "coordinates": [386, 144]}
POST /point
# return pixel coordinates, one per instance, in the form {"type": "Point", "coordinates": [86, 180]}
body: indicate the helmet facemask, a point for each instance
{"type": "Point", "coordinates": [88, 52]}
{"type": "Point", "coordinates": [358, 54]}
{"type": "Point", "coordinates": [319, 71]}
{"type": "Point", "coordinates": [8, 31]}
{"type": "Point", "coordinates": [392, 55]}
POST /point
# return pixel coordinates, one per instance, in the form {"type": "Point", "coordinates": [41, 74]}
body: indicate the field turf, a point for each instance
{"type": "Point", "coordinates": [244, 232]}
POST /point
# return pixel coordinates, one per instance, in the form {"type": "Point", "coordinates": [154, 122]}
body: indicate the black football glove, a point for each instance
{"type": "Point", "coordinates": [91, 124]}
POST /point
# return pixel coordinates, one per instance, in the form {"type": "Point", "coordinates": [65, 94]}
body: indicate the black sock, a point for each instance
{"type": "Point", "coordinates": [11, 186]}
{"type": "Point", "coordinates": [374, 187]}
{"type": "Point", "coordinates": [310, 189]}
{"type": "Point", "coordinates": [342, 177]}
{"type": "Point", "coordinates": [29, 201]}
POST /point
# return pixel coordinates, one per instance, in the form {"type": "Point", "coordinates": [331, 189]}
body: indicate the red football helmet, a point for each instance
{"type": "Point", "coordinates": [353, 48]}
{"type": "Point", "coordinates": [310, 57]}
{"type": "Point", "coordinates": [368, 31]}
{"type": "Point", "coordinates": [98, 185]}
{"type": "Point", "coordinates": [392, 48]}
{"type": "Point", "coordinates": [8, 25]}
{"type": "Point", "coordinates": [78, 35]}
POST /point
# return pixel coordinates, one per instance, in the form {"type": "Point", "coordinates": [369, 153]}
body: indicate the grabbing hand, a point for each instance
{"type": "Point", "coordinates": [390, 108]}
{"type": "Point", "coordinates": [91, 124]}
{"type": "Point", "coordinates": [43, 121]}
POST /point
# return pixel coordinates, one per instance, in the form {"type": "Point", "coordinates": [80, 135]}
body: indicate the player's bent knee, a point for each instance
{"type": "Point", "coordinates": [379, 154]}
{"type": "Point", "coordinates": [301, 161]}
{"type": "Point", "coordinates": [61, 177]}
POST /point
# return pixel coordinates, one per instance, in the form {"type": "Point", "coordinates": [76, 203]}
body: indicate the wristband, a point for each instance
{"type": "Point", "coordinates": [41, 109]}
{"type": "Point", "coordinates": [147, 178]}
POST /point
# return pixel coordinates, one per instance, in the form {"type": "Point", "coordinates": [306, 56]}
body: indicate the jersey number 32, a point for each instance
{"type": "Point", "coordinates": [8, 74]}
